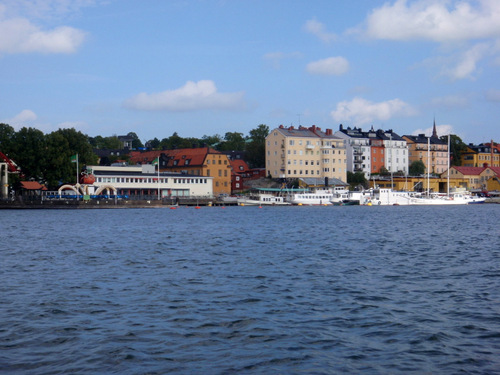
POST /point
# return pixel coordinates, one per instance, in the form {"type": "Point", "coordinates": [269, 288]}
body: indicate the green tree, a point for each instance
{"type": "Point", "coordinates": [457, 147]}
{"type": "Point", "coordinates": [136, 142]}
{"type": "Point", "coordinates": [6, 134]}
{"type": "Point", "coordinates": [29, 152]}
{"type": "Point", "coordinates": [417, 168]}
{"type": "Point", "coordinates": [233, 141]}
{"type": "Point", "coordinates": [256, 147]}
{"type": "Point", "coordinates": [355, 179]}
{"type": "Point", "coordinates": [211, 140]}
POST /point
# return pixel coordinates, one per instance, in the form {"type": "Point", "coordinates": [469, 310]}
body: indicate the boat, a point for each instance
{"type": "Point", "coordinates": [262, 199]}
{"type": "Point", "coordinates": [317, 197]}
{"type": "Point", "coordinates": [453, 198]}
{"type": "Point", "coordinates": [351, 198]}
{"type": "Point", "coordinates": [389, 197]}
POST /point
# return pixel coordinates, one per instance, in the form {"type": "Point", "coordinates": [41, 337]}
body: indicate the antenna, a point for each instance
{"type": "Point", "coordinates": [298, 114]}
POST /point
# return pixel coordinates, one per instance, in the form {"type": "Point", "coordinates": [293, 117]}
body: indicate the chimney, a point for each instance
{"type": "Point", "coordinates": [281, 126]}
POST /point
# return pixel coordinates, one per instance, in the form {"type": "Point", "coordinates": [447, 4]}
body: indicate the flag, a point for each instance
{"type": "Point", "coordinates": [74, 158]}
{"type": "Point", "coordinates": [155, 161]}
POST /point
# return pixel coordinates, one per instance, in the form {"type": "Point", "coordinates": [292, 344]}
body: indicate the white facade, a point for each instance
{"type": "Point", "coordinates": [396, 155]}
{"type": "Point", "coordinates": [145, 180]}
{"type": "Point", "coordinates": [358, 153]}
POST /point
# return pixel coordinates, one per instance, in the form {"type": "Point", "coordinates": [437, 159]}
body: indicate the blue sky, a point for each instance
{"type": "Point", "coordinates": [209, 67]}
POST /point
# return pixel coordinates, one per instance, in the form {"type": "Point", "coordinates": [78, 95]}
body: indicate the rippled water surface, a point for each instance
{"type": "Point", "coordinates": [243, 290]}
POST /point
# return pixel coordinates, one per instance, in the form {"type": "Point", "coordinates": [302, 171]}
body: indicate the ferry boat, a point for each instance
{"type": "Point", "coordinates": [262, 199]}
{"type": "Point", "coordinates": [317, 197]}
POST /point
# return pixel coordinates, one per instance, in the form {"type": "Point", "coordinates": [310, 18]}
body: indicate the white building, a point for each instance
{"type": "Point", "coordinates": [144, 180]}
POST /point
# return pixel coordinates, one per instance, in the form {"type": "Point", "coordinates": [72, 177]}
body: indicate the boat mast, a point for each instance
{"type": "Point", "coordinates": [448, 174]}
{"type": "Point", "coordinates": [428, 165]}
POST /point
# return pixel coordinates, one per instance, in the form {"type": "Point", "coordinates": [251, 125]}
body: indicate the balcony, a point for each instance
{"type": "Point", "coordinates": [309, 147]}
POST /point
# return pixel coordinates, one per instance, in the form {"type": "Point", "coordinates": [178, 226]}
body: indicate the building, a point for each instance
{"type": "Point", "coordinates": [431, 151]}
{"type": "Point", "coordinates": [476, 178]}
{"type": "Point", "coordinates": [395, 151]}
{"type": "Point", "coordinates": [201, 161]}
{"type": "Point", "coordinates": [478, 155]}
{"type": "Point", "coordinates": [146, 182]}
{"type": "Point", "coordinates": [358, 150]}
{"type": "Point", "coordinates": [305, 152]}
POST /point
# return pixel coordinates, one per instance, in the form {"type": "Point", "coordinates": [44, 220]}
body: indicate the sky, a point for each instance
{"type": "Point", "coordinates": [206, 67]}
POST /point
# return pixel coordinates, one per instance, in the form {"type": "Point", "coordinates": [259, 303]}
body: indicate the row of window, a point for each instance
{"type": "Point", "coordinates": [149, 180]}
{"type": "Point", "coordinates": [309, 172]}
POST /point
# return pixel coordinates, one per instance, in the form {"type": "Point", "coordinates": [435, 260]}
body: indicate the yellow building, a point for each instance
{"type": "Point", "coordinates": [202, 161]}
{"type": "Point", "coordinates": [431, 151]}
{"type": "Point", "coordinates": [305, 152]}
{"type": "Point", "coordinates": [478, 156]}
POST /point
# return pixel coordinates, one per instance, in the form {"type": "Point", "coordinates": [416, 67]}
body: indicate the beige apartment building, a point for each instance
{"type": "Point", "coordinates": [305, 152]}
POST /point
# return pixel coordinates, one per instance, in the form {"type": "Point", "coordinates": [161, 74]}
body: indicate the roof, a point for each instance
{"type": "Point", "coordinates": [421, 138]}
{"type": "Point", "coordinates": [239, 166]}
{"type": "Point", "coordinates": [469, 171]}
{"type": "Point", "coordinates": [143, 157]}
{"type": "Point", "coordinates": [303, 132]}
{"type": "Point", "coordinates": [332, 181]}
{"type": "Point", "coordinates": [32, 185]}
{"type": "Point", "coordinates": [191, 156]}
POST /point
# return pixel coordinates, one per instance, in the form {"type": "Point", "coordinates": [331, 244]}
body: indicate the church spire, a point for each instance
{"type": "Point", "coordinates": [434, 131]}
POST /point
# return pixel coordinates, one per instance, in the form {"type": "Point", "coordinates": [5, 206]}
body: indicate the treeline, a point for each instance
{"type": "Point", "coordinates": [46, 158]}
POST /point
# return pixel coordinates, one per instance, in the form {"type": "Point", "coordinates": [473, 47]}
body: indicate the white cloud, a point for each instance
{"type": "Point", "coordinates": [317, 28]}
{"type": "Point", "coordinates": [468, 61]}
{"type": "Point", "coordinates": [361, 111]}
{"type": "Point", "coordinates": [330, 66]}
{"type": "Point", "coordinates": [23, 118]}
{"type": "Point", "coordinates": [440, 21]}
{"type": "Point", "coordinates": [20, 35]}
{"type": "Point", "coordinates": [190, 97]}
{"type": "Point", "coordinates": [440, 129]}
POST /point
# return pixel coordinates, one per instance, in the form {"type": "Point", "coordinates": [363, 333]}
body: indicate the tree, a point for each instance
{"type": "Point", "coordinates": [256, 148]}
{"type": "Point", "coordinates": [357, 178]}
{"type": "Point", "coordinates": [233, 141]}
{"type": "Point", "coordinates": [457, 147]}
{"type": "Point", "coordinates": [6, 134]}
{"type": "Point", "coordinates": [29, 152]}
{"type": "Point", "coordinates": [417, 168]}
{"type": "Point", "coordinates": [136, 142]}
{"type": "Point", "coordinates": [211, 140]}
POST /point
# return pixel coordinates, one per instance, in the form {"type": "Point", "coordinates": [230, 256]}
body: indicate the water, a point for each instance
{"type": "Point", "coordinates": [243, 290]}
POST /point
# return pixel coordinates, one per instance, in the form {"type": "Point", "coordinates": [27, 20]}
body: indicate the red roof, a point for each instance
{"type": "Point", "coordinates": [194, 156]}
{"type": "Point", "coordinates": [469, 171]}
{"type": "Point", "coordinates": [144, 157]}
{"type": "Point", "coordinates": [239, 166]}
{"type": "Point", "coordinates": [32, 185]}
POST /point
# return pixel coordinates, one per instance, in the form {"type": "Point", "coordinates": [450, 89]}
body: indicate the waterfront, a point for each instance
{"type": "Point", "coordinates": [292, 290]}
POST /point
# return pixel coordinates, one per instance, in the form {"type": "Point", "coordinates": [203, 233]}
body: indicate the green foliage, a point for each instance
{"type": "Point", "coordinates": [416, 168]}
{"type": "Point", "coordinates": [384, 171]}
{"type": "Point", "coordinates": [256, 147]}
{"type": "Point", "coordinates": [457, 147]}
{"type": "Point", "coordinates": [6, 134]}
{"type": "Point", "coordinates": [136, 142]}
{"type": "Point", "coordinates": [355, 179]}
{"type": "Point", "coordinates": [232, 142]}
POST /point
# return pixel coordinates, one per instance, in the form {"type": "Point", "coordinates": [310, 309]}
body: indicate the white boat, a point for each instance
{"type": "Point", "coordinates": [451, 199]}
{"type": "Point", "coordinates": [351, 198]}
{"type": "Point", "coordinates": [389, 197]}
{"type": "Point", "coordinates": [262, 200]}
{"type": "Point", "coordinates": [318, 197]}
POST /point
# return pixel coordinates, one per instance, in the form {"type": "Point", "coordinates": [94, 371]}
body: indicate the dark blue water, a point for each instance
{"type": "Point", "coordinates": [243, 290]}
